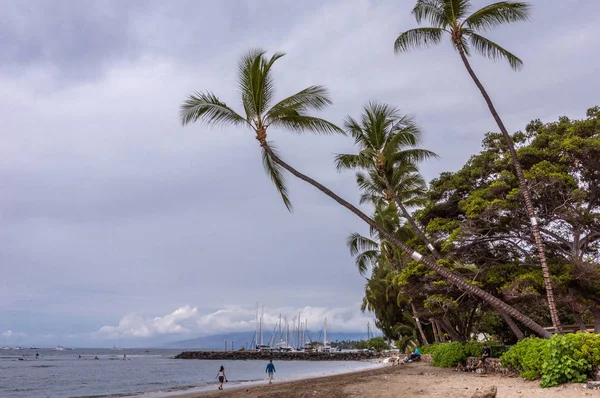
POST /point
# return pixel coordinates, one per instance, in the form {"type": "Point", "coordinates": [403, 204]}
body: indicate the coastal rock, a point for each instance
{"type": "Point", "coordinates": [486, 392]}
{"type": "Point", "coordinates": [593, 385]}
{"type": "Point", "coordinates": [596, 373]}
{"type": "Point", "coordinates": [283, 356]}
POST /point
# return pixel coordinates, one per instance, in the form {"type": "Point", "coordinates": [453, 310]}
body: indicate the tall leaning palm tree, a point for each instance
{"type": "Point", "coordinates": [387, 144]}
{"type": "Point", "coordinates": [257, 91]}
{"type": "Point", "coordinates": [452, 17]}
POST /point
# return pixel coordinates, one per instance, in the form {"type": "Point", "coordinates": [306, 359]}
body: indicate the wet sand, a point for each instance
{"type": "Point", "coordinates": [411, 380]}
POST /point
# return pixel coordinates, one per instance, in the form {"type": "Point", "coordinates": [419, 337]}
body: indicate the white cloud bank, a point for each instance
{"type": "Point", "coordinates": [10, 333]}
{"type": "Point", "coordinates": [187, 321]}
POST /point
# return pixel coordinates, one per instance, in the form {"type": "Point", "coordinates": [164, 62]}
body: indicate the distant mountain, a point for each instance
{"type": "Point", "coordinates": [217, 341]}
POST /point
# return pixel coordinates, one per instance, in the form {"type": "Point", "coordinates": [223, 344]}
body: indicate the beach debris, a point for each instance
{"type": "Point", "coordinates": [593, 385]}
{"type": "Point", "coordinates": [486, 392]}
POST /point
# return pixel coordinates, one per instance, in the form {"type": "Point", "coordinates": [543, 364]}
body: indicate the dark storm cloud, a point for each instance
{"type": "Point", "coordinates": [111, 212]}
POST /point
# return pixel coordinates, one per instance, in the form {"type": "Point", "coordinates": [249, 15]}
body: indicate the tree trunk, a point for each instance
{"type": "Point", "coordinates": [535, 229]}
{"type": "Point", "coordinates": [443, 322]}
{"type": "Point", "coordinates": [579, 322]}
{"type": "Point", "coordinates": [419, 325]}
{"type": "Point", "coordinates": [440, 332]}
{"type": "Point", "coordinates": [596, 312]}
{"type": "Point", "coordinates": [448, 275]}
{"type": "Point", "coordinates": [435, 331]}
{"type": "Point", "coordinates": [513, 326]}
{"type": "Point", "coordinates": [410, 220]}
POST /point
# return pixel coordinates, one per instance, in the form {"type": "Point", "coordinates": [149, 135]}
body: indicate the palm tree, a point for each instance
{"type": "Point", "coordinates": [387, 142]}
{"type": "Point", "coordinates": [257, 91]}
{"type": "Point", "coordinates": [451, 17]}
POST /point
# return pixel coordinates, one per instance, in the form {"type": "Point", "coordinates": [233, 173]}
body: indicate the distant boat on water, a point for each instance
{"type": "Point", "coordinates": [60, 348]}
{"type": "Point", "coordinates": [5, 348]}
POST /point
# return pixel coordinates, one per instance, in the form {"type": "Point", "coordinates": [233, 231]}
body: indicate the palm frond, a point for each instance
{"type": "Point", "coordinates": [275, 172]}
{"type": "Point", "coordinates": [208, 108]}
{"type": "Point", "coordinates": [497, 14]}
{"type": "Point", "coordinates": [432, 10]}
{"type": "Point", "coordinates": [493, 51]}
{"type": "Point", "coordinates": [248, 69]}
{"type": "Point", "coordinates": [352, 161]}
{"type": "Point", "coordinates": [313, 97]}
{"type": "Point", "coordinates": [412, 156]}
{"type": "Point", "coordinates": [302, 123]}
{"type": "Point", "coordinates": [358, 243]}
{"type": "Point", "coordinates": [416, 38]}
{"type": "Point", "coordinates": [255, 82]}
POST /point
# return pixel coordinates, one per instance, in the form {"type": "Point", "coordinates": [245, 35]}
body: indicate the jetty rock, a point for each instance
{"type": "Point", "coordinates": [284, 356]}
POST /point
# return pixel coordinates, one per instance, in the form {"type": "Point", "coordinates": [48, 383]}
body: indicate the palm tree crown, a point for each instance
{"type": "Point", "coordinates": [387, 143]}
{"type": "Point", "coordinates": [257, 91]}
{"type": "Point", "coordinates": [452, 17]}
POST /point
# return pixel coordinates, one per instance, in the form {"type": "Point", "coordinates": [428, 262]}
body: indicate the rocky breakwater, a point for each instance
{"type": "Point", "coordinates": [283, 356]}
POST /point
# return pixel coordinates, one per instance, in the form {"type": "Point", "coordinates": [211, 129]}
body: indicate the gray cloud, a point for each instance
{"type": "Point", "coordinates": [109, 207]}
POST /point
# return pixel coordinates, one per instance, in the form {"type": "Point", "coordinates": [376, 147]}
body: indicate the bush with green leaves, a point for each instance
{"type": "Point", "coordinates": [448, 355]}
{"type": "Point", "coordinates": [561, 359]}
{"type": "Point", "coordinates": [429, 349]}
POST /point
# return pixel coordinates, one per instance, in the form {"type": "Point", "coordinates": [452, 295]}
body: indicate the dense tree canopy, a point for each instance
{"type": "Point", "coordinates": [476, 219]}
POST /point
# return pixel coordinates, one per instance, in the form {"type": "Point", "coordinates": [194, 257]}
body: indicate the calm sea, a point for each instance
{"type": "Point", "coordinates": [149, 373]}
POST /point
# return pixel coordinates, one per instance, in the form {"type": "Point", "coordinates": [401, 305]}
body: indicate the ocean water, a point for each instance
{"type": "Point", "coordinates": [145, 373]}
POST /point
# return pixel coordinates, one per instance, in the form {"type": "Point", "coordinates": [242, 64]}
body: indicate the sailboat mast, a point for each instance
{"type": "Point", "coordinates": [261, 322]}
{"type": "Point", "coordinates": [325, 332]}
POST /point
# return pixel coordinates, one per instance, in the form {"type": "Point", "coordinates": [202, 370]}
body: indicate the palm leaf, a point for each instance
{"type": "Point", "coordinates": [412, 156]}
{"type": "Point", "coordinates": [208, 108]}
{"type": "Point", "coordinates": [301, 123]}
{"type": "Point", "coordinates": [497, 14]}
{"type": "Point", "coordinates": [255, 82]}
{"type": "Point", "coordinates": [352, 161]}
{"type": "Point", "coordinates": [275, 172]}
{"type": "Point", "coordinates": [432, 10]}
{"type": "Point", "coordinates": [313, 97]}
{"type": "Point", "coordinates": [493, 51]}
{"type": "Point", "coordinates": [416, 38]}
{"type": "Point", "coordinates": [358, 243]}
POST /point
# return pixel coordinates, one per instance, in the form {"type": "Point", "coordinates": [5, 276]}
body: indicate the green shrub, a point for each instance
{"type": "Point", "coordinates": [564, 362]}
{"type": "Point", "coordinates": [429, 349]}
{"type": "Point", "coordinates": [473, 349]}
{"type": "Point", "coordinates": [561, 359]}
{"type": "Point", "coordinates": [448, 355]}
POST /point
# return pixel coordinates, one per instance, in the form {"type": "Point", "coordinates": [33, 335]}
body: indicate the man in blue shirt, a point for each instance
{"type": "Point", "coordinates": [270, 370]}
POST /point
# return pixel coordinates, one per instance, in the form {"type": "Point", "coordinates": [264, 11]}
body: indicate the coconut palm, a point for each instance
{"type": "Point", "coordinates": [257, 90]}
{"type": "Point", "coordinates": [405, 178]}
{"type": "Point", "coordinates": [452, 17]}
{"type": "Point", "coordinates": [387, 144]}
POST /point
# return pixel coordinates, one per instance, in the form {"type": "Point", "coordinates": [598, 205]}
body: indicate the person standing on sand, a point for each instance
{"type": "Point", "coordinates": [270, 370]}
{"type": "Point", "coordinates": [222, 377]}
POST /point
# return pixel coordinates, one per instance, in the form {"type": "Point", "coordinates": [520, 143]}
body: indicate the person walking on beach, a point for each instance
{"type": "Point", "coordinates": [222, 377]}
{"type": "Point", "coordinates": [270, 371]}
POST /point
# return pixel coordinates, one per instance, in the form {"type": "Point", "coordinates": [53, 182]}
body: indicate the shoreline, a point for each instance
{"type": "Point", "coordinates": [387, 381]}
{"type": "Point", "coordinates": [207, 390]}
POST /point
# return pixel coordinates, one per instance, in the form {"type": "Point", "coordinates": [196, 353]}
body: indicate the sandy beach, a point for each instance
{"type": "Point", "coordinates": [413, 380]}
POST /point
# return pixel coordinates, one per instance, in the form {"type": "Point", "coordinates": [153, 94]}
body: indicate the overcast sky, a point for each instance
{"type": "Point", "coordinates": [116, 220]}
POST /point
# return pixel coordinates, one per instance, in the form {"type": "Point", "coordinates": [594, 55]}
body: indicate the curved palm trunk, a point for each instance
{"type": "Point", "coordinates": [411, 220]}
{"type": "Point", "coordinates": [448, 275]}
{"type": "Point", "coordinates": [524, 190]}
{"type": "Point", "coordinates": [513, 326]}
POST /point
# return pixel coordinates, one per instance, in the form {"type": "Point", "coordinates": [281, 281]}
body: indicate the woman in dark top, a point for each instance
{"type": "Point", "coordinates": [222, 377]}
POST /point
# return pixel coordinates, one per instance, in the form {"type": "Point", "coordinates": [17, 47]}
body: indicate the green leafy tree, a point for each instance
{"type": "Point", "coordinates": [257, 92]}
{"type": "Point", "coordinates": [452, 17]}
